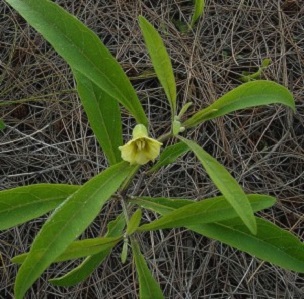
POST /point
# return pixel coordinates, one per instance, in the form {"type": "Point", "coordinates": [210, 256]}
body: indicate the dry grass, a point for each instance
{"type": "Point", "coordinates": [48, 138]}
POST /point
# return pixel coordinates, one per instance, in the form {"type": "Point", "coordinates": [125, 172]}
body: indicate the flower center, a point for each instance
{"type": "Point", "coordinates": [140, 143]}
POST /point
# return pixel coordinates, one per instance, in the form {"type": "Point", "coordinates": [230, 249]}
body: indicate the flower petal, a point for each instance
{"type": "Point", "coordinates": [141, 158]}
{"type": "Point", "coordinates": [128, 152]}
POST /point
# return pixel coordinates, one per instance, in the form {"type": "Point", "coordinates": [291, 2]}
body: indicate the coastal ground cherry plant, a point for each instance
{"type": "Point", "coordinates": [102, 87]}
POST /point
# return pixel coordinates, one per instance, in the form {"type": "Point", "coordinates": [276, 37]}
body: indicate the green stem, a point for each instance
{"type": "Point", "coordinates": [125, 210]}
{"type": "Point", "coordinates": [122, 192]}
{"type": "Point", "coordinates": [165, 137]}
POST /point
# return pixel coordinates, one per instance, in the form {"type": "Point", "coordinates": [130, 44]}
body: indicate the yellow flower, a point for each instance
{"type": "Point", "coordinates": [141, 149]}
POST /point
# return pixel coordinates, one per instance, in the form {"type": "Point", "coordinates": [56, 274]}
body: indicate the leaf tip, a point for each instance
{"type": "Point", "coordinates": [252, 226]}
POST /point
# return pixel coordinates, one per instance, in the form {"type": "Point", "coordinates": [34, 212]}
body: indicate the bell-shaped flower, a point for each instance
{"type": "Point", "coordinates": [140, 149]}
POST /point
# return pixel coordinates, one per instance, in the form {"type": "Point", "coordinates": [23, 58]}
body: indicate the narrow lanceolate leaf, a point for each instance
{"type": "Point", "coordinates": [161, 205]}
{"type": "Point", "coordinates": [160, 60]}
{"type": "Point", "coordinates": [125, 250]}
{"type": "Point", "coordinates": [104, 116]}
{"type": "Point", "coordinates": [198, 11]}
{"type": "Point", "coordinates": [22, 204]}
{"type": "Point", "coordinates": [170, 154]}
{"type": "Point", "coordinates": [148, 287]}
{"type": "Point", "coordinates": [78, 249]}
{"type": "Point", "coordinates": [271, 243]}
{"type": "Point", "coordinates": [205, 211]}
{"type": "Point", "coordinates": [83, 271]}
{"type": "Point", "coordinates": [250, 94]}
{"type": "Point", "coordinates": [82, 50]}
{"type": "Point", "coordinates": [134, 222]}
{"type": "Point", "coordinates": [164, 205]}
{"type": "Point", "coordinates": [226, 184]}
{"type": "Point", "coordinates": [2, 124]}
{"type": "Point", "coordinates": [67, 222]}
{"type": "Point", "coordinates": [246, 77]}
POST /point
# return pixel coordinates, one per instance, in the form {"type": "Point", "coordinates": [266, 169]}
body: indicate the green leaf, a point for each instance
{"type": "Point", "coordinates": [104, 116]}
{"type": "Point", "coordinates": [2, 124]}
{"type": "Point", "coordinates": [160, 60]}
{"type": "Point", "coordinates": [271, 243]}
{"type": "Point", "coordinates": [134, 222]}
{"type": "Point", "coordinates": [184, 110]}
{"type": "Point", "coordinates": [246, 77]}
{"type": "Point", "coordinates": [82, 50]}
{"type": "Point", "coordinates": [225, 183]}
{"type": "Point", "coordinates": [67, 222]}
{"type": "Point", "coordinates": [160, 205]}
{"type": "Point", "coordinates": [205, 211]}
{"type": "Point", "coordinates": [148, 287]}
{"type": "Point", "coordinates": [125, 249]}
{"type": "Point", "coordinates": [250, 94]}
{"type": "Point", "coordinates": [22, 204]}
{"type": "Point", "coordinates": [170, 154]}
{"type": "Point", "coordinates": [83, 271]}
{"type": "Point", "coordinates": [164, 205]}
{"type": "Point", "coordinates": [116, 226]}
{"type": "Point", "coordinates": [265, 63]}
{"type": "Point", "coordinates": [198, 11]}
{"type": "Point", "coordinates": [78, 249]}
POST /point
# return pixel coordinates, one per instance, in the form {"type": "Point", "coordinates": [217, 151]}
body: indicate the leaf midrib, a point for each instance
{"type": "Point", "coordinates": [82, 54]}
{"type": "Point", "coordinates": [32, 267]}
{"type": "Point", "coordinates": [255, 238]}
